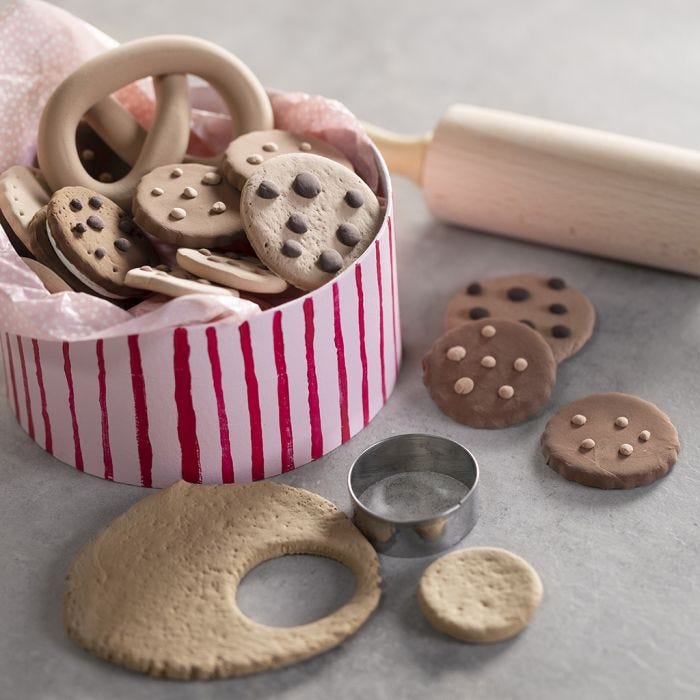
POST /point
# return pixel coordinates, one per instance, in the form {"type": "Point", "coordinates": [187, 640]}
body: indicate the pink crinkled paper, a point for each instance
{"type": "Point", "coordinates": [32, 64]}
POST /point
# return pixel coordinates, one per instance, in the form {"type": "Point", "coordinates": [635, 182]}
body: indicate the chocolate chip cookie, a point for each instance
{"type": "Point", "coordinates": [561, 314]}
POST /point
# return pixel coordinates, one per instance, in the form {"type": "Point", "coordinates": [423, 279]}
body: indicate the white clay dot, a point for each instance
{"type": "Point", "coordinates": [189, 192]}
{"type": "Point", "coordinates": [506, 391]}
{"type": "Point", "coordinates": [464, 385]}
{"type": "Point", "coordinates": [178, 213]}
{"type": "Point", "coordinates": [644, 435]}
{"type": "Point", "coordinates": [211, 178]}
{"type": "Point", "coordinates": [520, 364]}
{"type": "Point", "coordinates": [255, 159]}
{"type": "Point", "coordinates": [105, 177]}
{"type": "Point", "coordinates": [176, 172]}
{"type": "Point", "coordinates": [578, 419]}
{"type": "Point", "coordinates": [218, 208]}
{"type": "Point", "coordinates": [304, 146]}
{"type": "Point", "coordinates": [626, 450]}
{"type": "Point", "coordinates": [456, 353]}
{"type": "Point", "coordinates": [157, 191]}
{"type": "Point", "coordinates": [488, 361]}
{"type": "Point", "coordinates": [621, 422]}
{"type": "Point", "coordinates": [587, 444]}
{"type": "Point", "coordinates": [270, 147]}
{"type": "Point", "coordinates": [488, 331]}
{"type": "Point", "coordinates": [88, 154]}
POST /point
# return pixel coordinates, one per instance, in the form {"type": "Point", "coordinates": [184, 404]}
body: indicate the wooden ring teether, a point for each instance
{"type": "Point", "coordinates": [163, 56]}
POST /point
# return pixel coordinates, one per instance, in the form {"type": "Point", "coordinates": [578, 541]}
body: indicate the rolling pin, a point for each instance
{"type": "Point", "coordinates": [556, 184]}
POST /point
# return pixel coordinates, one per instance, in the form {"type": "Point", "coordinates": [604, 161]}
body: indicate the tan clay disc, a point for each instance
{"type": "Point", "coordinates": [250, 150]}
{"type": "Point", "coordinates": [482, 594]}
{"type": "Point", "coordinates": [155, 591]}
{"type": "Point", "coordinates": [173, 282]}
{"type": "Point", "coordinates": [611, 441]}
{"type": "Point", "coordinates": [562, 315]}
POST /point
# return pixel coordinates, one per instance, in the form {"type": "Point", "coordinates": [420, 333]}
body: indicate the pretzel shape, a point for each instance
{"type": "Point", "coordinates": [169, 58]}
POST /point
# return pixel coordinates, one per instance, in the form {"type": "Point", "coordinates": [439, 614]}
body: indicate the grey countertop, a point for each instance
{"type": "Point", "coordinates": [621, 570]}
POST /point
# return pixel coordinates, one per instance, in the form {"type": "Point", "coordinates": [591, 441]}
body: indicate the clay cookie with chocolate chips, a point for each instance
{"type": "Point", "coordinates": [611, 441]}
{"type": "Point", "coordinates": [94, 241]}
{"type": "Point", "coordinates": [308, 217]}
{"type": "Point", "coordinates": [561, 314]}
{"type": "Point", "coordinates": [188, 205]}
{"type": "Point", "coordinates": [490, 373]}
{"type": "Point", "coordinates": [250, 150]}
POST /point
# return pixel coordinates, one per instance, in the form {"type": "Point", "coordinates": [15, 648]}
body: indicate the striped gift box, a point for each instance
{"type": "Point", "coordinates": [218, 403]}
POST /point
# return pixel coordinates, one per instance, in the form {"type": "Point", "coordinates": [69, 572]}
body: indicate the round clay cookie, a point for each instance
{"type": "Point", "coordinates": [308, 217]}
{"type": "Point", "coordinates": [250, 150]}
{"type": "Point", "coordinates": [482, 594]}
{"type": "Point", "coordinates": [173, 282]}
{"type": "Point", "coordinates": [188, 205]}
{"type": "Point", "coordinates": [489, 374]}
{"type": "Point", "coordinates": [231, 270]}
{"type": "Point", "coordinates": [95, 241]}
{"type": "Point", "coordinates": [155, 591]}
{"type": "Point", "coordinates": [611, 441]}
{"type": "Point", "coordinates": [561, 314]}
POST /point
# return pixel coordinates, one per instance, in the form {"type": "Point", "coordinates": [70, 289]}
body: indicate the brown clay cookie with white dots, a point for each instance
{"type": "Point", "coordinates": [95, 242]}
{"type": "Point", "coordinates": [561, 314]}
{"type": "Point", "coordinates": [611, 441]}
{"type": "Point", "coordinates": [188, 205]}
{"type": "Point", "coordinates": [308, 217]}
{"type": "Point", "coordinates": [173, 282]}
{"type": "Point", "coordinates": [490, 373]}
{"type": "Point", "coordinates": [230, 270]}
{"type": "Point", "coordinates": [250, 150]}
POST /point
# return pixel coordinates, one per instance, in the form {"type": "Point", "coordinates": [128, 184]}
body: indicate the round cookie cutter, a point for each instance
{"type": "Point", "coordinates": [405, 454]}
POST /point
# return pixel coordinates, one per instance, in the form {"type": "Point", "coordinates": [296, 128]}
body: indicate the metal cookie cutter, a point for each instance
{"type": "Point", "coordinates": [414, 495]}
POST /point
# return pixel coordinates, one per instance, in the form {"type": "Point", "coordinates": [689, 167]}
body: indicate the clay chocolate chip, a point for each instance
{"type": "Point", "coordinates": [557, 309]}
{"type": "Point", "coordinates": [348, 234]}
{"type": "Point", "coordinates": [474, 289]}
{"type": "Point", "coordinates": [100, 253]}
{"type": "Point", "coordinates": [79, 229]}
{"type": "Point", "coordinates": [354, 199]}
{"type": "Point", "coordinates": [122, 244]}
{"type": "Point", "coordinates": [518, 294]}
{"type": "Point", "coordinates": [292, 249]}
{"type": "Point", "coordinates": [556, 283]}
{"type": "Point", "coordinates": [95, 223]}
{"type": "Point", "coordinates": [330, 261]}
{"type": "Point", "coordinates": [267, 190]}
{"type": "Point", "coordinates": [307, 185]}
{"type": "Point", "coordinates": [296, 223]}
{"type": "Point", "coordinates": [561, 331]}
{"type": "Point", "coordinates": [95, 202]}
{"type": "Point", "coordinates": [75, 205]}
{"type": "Point", "coordinates": [125, 225]}
{"type": "Point", "coordinates": [478, 312]}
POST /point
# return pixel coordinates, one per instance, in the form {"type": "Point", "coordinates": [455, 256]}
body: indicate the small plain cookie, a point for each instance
{"type": "Point", "coordinates": [490, 374]}
{"type": "Point", "coordinates": [94, 240]}
{"type": "Point", "coordinates": [53, 283]}
{"type": "Point", "coordinates": [611, 441]}
{"type": "Point", "coordinates": [188, 205]}
{"type": "Point", "coordinates": [155, 591]}
{"type": "Point", "coordinates": [23, 192]}
{"type": "Point", "coordinates": [173, 282]}
{"type": "Point", "coordinates": [250, 150]}
{"type": "Point", "coordinates": [561, 314]}
{"type": "Point", "coordinates": [308, 217]}
{"type": "Point", "coordinates": [231, 270]}
{"type": "Point", "coordinates": [482, 594]}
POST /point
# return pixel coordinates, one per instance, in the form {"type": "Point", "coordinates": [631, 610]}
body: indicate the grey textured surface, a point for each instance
{"type": "Point", "coordinates": [621, 570]}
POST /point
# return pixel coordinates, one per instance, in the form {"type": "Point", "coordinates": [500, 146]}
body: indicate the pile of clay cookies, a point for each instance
{"type": "Point", "coordinates": [496, 365]}
{"type": "Point", "coordinates": [122, 213]}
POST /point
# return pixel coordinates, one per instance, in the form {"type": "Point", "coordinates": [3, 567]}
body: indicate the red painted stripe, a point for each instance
{"type": "Point", "coordinates": [13, 381]}
{"type": "Point", "coordinates": [257, 455]}
{"type": "Point", "coordinates": [71, 405]}
{"type": "Point", "coordinates": [186, 418]}
{"type": "Point", "coordinates": [138, 387]}
{"type": "Point", "coordinates": [48, 442]}
{"type": "Point", "coordinates": [342, 370]}
{"type": "Point", "coordinates": [312, 380]}
{"type": "Point", "coordinates": [285, 418]}
{"type": "Point", "coordinates": [393, 292]}
{"type": "Point", "coordinates": [381, 321]}
{"type": "Point", "coordinates": [104, 416]}
{"type": "Point", "coordinates": [25, 384]}
{"type": "Point", "coordinates": [363, 349]}
{"type": "Point", "coordinates": [224, 437]}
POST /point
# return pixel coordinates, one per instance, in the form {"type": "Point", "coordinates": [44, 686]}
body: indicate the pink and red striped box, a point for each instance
{"type": "Point", "coordinates": [218, 403]}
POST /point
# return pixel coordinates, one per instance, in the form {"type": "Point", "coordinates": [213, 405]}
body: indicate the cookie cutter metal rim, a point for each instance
{"type": "Point", "coordinates": [409, 537]}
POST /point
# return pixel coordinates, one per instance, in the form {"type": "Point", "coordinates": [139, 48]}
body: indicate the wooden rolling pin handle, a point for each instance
{"type": "Point", "coordinates": [562, 185]}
